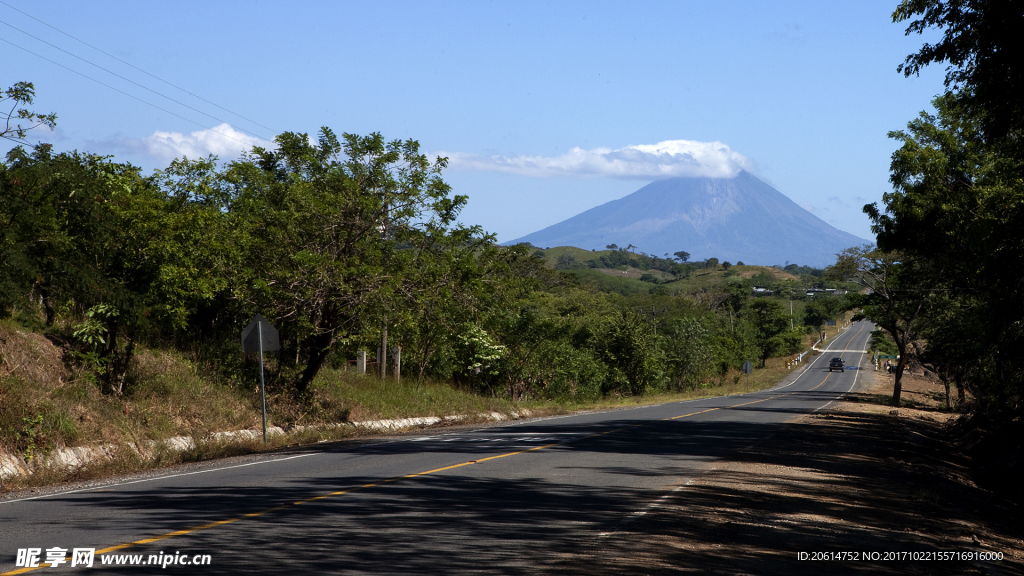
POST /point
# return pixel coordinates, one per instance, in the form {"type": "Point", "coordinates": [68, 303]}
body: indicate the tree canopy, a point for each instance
{"type": "Point", "coordinates": [951, 225]}
{"type": "Point", "coordinates": [17, 122]}
{"type": "Point", "coordinates": [983, 48]}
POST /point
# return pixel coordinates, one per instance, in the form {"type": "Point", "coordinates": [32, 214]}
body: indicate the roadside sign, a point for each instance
{"type": "Point", "coordinates": [260, 330]}
{"type": "Point", "coordinates": [748, 368]}
{"type": "Point", "coordinates": [260, 336]}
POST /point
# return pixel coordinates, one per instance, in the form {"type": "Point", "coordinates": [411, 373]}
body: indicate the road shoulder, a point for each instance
{"type": "Point", "coordinates": [856, 478]}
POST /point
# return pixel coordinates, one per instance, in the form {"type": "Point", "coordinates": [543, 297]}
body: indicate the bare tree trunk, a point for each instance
{"type": "Point", "coordinates": [44, 298]}
{"type": "Point", "coordinates": [960, 396]}
{"type": "Point", "coordinates": [423, 360]}
{"type": "Point", "coordinates": [321, 347]}
{"type": "Point", "coordinates": [900, 365]}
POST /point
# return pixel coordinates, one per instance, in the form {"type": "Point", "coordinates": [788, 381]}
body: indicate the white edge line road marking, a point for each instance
{"type": "Point", "coordinates": [629, 518]}
{"type": "Point", "coordinates": [852, 386]}
{"type": "Point", "coordinates": [525, 421]}
{"type": "Point", "coordinates": [415, 439]}
{"type": "Point", "coordinates": [2, 502]}
{"type": "Point", "coordinates": [155, 478]}
{"type": "Point", "coordinates": [811, 363]}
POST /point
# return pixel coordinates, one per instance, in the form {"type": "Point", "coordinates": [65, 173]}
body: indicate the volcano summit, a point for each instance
{"type": "Point", "coordinates": [735, 219]}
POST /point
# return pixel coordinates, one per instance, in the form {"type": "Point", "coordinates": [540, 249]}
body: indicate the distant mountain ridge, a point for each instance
{"type": "Point", "coordinates": [734, 219]}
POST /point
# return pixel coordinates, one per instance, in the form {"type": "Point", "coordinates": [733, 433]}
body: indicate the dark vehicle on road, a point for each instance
{"type": "Point", "coordinates": [836, 364]}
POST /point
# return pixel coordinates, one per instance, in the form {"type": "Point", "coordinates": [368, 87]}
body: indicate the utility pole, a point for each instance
{"type": "Point", "coordinates": [653, 312]}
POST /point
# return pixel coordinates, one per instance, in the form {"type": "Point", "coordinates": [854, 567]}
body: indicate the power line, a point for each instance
{"type": "Point", "coordinates": [126, 79]}
{"type": "Point", "coordinates": [126, 94]}
{"type": "Point", "coordinates": [137, 68]}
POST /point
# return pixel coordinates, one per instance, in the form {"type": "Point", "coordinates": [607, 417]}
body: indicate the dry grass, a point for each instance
{"type": "Point", "coordinates": [369, 398]}
{"type": "Point", "coordinates": [45, 405]}
{"type": "Point", "coordinates": [28, 355]}
{"type": "Point", "coordinates": [171, 398]}
{"type": "Point", "coordinates": [749, 271]}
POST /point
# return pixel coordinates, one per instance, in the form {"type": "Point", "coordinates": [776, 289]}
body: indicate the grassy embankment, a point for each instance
{"type": "Point", "coordinates": [45, 405]}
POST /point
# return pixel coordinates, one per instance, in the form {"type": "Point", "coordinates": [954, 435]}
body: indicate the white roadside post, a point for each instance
{"type": "Point", "coordinates": [361, 362]}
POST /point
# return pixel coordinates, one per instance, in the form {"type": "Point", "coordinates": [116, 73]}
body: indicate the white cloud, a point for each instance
{"type": "Point", "coordinates": [667, 159]}
{"type": "Point", "coordinates": [222, 141]}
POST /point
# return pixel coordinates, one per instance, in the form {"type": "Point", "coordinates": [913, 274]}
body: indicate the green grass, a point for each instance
{"type": "Point", "coordinates": [611, 283]}
{"type": "Point", "coordinates": [551, 254]}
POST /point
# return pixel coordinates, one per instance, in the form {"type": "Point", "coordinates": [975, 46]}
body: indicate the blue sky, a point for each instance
{"type": "Point", "coordinates": [546, 109]}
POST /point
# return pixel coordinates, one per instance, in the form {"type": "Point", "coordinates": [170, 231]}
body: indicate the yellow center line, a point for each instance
{"type": "Point", "coordinates": [395, 479]}
{"type": "Point", "coordinates": [826, 377]}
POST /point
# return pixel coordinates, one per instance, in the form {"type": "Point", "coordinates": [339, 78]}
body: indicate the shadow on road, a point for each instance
{"type": "Point", "coordinates": [856, 482]}
{"type": "Point", "coordinates": [861, 483]}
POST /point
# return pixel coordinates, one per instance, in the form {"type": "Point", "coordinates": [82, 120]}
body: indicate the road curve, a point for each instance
{"type": "Point", "coordinates": [501, 499]}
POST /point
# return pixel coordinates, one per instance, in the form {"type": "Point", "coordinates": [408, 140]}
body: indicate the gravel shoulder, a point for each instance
{"type": "Point", "coordinates": [858, 478]}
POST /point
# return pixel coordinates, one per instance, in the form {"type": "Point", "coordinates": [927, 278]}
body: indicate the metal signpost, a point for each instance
{"type": "Point", "coordinates": [260, 336]}
{"type": "Point", "coordinates": [747, 369]}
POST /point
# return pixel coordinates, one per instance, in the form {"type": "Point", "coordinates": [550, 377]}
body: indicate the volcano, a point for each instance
{"type": "Point", "coordinates": [732, 219]}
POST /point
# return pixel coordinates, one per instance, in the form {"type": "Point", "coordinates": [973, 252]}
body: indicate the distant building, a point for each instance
{"type": "Point", "coordinates": [812, 292]}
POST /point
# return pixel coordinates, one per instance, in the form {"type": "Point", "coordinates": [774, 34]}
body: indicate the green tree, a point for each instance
{"type": "Point", "coordinates": [325, 228]}
{"type": "Point", "coordinates": [983, 46]}
{"type": "Point", "coordinates": [770, 322]}
{"type": "Point", "coordinates": [896, 297]}
{"type": "Point", "coordinates": [445, 291]}
{"type": "Point", "coordinates": [958, 197]}
{"type": "Point", "coordinates": [629, 348]}
{"type": "Point", "coordinates": [566, 261]}
{"type": "Point", "coordinates": [689, 353]}
{"type": "Point", "coordinates": [824, 307]}
{"type": "Point", "coordinates": [957, 207]}
{"type": "Point", "coordinates": [74, 239]}
{"type": "Point", "coordinates": [21, 94]}
{"type": "Point", "coordinates": [191, 242]}
{"type": "Point", "coordinates": [682, 256]}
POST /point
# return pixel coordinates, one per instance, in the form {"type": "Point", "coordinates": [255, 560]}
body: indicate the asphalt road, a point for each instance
{"type": "Point", "coordinates": [502, 499]}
